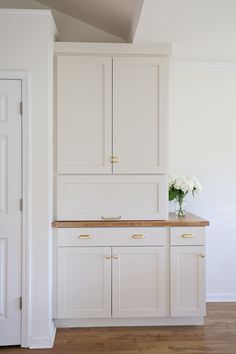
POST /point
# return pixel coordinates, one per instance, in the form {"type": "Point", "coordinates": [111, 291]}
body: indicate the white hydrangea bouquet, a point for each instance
{"type": "Point", "coordinates": [179, 187]}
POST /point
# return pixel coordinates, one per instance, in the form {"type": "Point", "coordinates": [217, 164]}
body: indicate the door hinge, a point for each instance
{"type": "Point", "coordinates": [20, 303]}
{"type": "Point", "coordinates": [21, 108]}
{"type": "Point", "coordinates": [21, 204]}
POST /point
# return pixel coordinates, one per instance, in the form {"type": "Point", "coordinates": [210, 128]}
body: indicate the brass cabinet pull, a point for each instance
{"type": "Point", "coordinates": [115, 257]}
{"type": "Point", "coordinates": [108, 257]}
{"type": "Point", "coordinates": [138, 236]}
{"type": "Point", "coordinates": [187, 236]}
{"type": "Point", "coordinates": [114, 159]}
{"type": "Point", "coordinates": [85, 237]}
{"type": "Point", "coordinates": [201, 255]}
{"type": "Point", "coordinates": [111, 218]}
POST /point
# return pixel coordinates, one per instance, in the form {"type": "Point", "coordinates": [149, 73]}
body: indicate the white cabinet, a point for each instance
{"type": "Point", "coordinates": [117, 281]}
{"type": "Point", "coordinates": [139, 114]}
{"type": "Point", "coordinates": [117, 197]}
{"type": "Point", "coordinates": [122, 273]}
{"type": "Point", "coordinates": [111, 118]}
{"type": "Point", "coordinates": [187, 272]}
{"type": "Point", "coordinates": [111, 123]}
{"type": "Point", "coordinates": [84, 282]}
{"type": "Point", "coordinates": [84, 114]}
{"type": "Point", "coordinates": [139, 282]}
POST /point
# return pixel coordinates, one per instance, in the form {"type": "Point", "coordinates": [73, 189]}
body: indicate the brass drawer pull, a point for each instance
{"type": "Point", "coordinates": [111, 218]}
{"type": "Point", "coordinates": [187, 236]}
{"type": "Point", "coordinates": [85, 237]}
{"type": "Point", "coordinates": [138, 236]}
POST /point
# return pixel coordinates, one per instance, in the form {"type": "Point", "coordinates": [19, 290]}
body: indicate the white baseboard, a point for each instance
{"type": "Point", "coordinates": [127, 322]}
{"type": "Point", "coordinates": [43, 342]}
{"type": "Point", "coordinates": [221, 297]}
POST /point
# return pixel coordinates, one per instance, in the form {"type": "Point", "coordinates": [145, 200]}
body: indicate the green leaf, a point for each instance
{"type": "Point", "coordinates": [172, 194]}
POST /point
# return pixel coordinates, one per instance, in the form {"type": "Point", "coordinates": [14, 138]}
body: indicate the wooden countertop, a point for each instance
{"type": "Point", "coordinates": [172, 221]}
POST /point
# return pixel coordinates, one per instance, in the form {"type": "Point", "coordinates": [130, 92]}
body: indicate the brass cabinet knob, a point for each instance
{"type": "Point", "coordinates": [108, 257]}
{"type": "Point", "coordinates": [114, 159]}
{"type": "Point", "coordinates": [201, 255]}
{"type": "Point", "coordinates": [115, 257]}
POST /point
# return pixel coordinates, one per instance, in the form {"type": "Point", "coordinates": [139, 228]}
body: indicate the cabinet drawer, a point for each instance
{"type": "Point", "coordinates": [112, 237]}
{"type": "Point", "coordinates": [194, 236]}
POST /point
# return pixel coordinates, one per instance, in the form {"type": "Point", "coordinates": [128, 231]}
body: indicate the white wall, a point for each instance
{"type": "Point", "coordinates": [203, 144]}
{"type": "Point", "coordinates": [26, 42]}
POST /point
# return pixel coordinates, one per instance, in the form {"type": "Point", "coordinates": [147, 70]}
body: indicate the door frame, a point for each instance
{"type": "Point", "coordinates": [25, 229]}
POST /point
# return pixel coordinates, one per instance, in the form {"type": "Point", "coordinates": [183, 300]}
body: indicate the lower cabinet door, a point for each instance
{"type": "Point", "coordinates": [139, 282]}
{"type": "Point", "coordinates": [84, 282]}
{"type": "Point", "coordinates": [187, 281]}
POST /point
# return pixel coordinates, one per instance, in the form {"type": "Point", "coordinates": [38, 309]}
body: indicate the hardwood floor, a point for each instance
{"type": "Point", "coordinates": [217, 336]}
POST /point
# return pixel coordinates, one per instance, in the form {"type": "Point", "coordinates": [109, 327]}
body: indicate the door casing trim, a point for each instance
{"type": "Point", "coordinates": [25, 232]}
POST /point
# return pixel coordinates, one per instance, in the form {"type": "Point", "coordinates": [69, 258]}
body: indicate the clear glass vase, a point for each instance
{"type": "Point", "coordinates": [180, 207]}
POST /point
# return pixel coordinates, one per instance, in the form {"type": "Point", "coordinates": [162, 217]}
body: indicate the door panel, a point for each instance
{"type": "Point", "coordinates": [139, 115]}
{"type": "Point", "coordinates": [139, 282]}
{"type": "Point", "coordinates": [84, 282]}
{"type": "Point", "coordinates": [122, 197]}
{"type": "Point", "coordinates": [84, 114]}
{"type": "Point", "coordinates": [187, 281]}
{"type": "Point", "coordinates": [10, 215]}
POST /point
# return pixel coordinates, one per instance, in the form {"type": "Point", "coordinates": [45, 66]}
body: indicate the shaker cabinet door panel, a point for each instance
{"type": "Point", "coordinates": [187, 281]}
{"type": "Point", "coordinates": [84, 282]}
{"type": "Point", "coordinates": [139, 115]}
{"type": "Point", "coordinates": [139, 279]}
{"type": "Point", "coordinates": [117, 197]}
{"type": "Point", "coordinates": [84, 114]}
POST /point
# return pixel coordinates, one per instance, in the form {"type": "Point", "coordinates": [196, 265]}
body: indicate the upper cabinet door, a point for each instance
{"type": "Point", "coordinates": [139, 114]}
{"type": "Point", "coordinates": [84, 114]}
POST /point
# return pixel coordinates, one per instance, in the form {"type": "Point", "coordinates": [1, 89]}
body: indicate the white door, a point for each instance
{"type": "Point", "coordinates": [139, 115]}
{"type": "Point", "coordinates": [10, 215]}
{"type": "Point", "coordinates": [139, 282]}
{"type": "Point", "coordinates": [84, 282]}
{"type": "Point", "coordinates": [187, 281]}
{"type": "Point", "coordinates": [84, 114]}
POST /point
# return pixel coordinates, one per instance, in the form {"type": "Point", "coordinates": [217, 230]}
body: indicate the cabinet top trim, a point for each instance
{"type": "Point", "coordinates": [111, 48]}
{"type": "Point", "coordinates": [172, 221]}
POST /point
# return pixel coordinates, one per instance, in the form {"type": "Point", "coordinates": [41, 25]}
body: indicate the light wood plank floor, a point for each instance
{"type": "Point", "coordinates": [217, 336]}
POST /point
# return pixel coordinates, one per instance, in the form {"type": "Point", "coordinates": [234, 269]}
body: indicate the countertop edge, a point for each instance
{"type": "Point", "coordinates": [172, 221]}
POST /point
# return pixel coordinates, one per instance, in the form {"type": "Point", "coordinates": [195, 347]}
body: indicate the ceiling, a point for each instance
{"type": "Point", "coordinates": [200, 30]}
{"type": "Point", "coordinates": [118, 17]}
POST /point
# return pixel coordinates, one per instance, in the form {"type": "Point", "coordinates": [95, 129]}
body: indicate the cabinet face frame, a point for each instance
{"type": "Point", "coordinates": [187, 274]}
{"type": "Point", "coordinates": [94, 106]}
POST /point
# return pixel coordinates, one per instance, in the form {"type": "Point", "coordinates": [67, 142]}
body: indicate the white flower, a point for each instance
{"type": "Point", "coordinates": [184, 183]}
{"type": "Point", "coordinates": [196, 186]}
{"type": "Point", "coordinates": [172, 179]}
